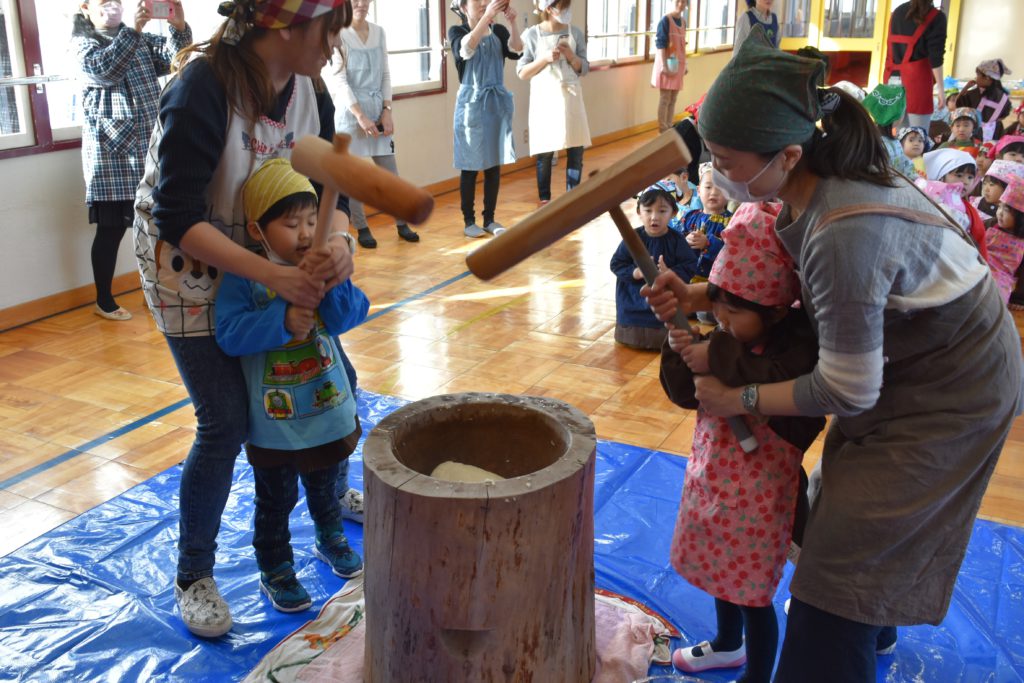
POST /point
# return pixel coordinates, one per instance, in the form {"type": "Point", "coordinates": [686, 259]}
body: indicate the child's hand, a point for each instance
{"type": "Point", "coordinates": [637, 275]}
{"type": "Point", "coordinates": [697, 240]}
{"type": "Point", "coordinates": [299, 321]}
{"type": "Point", "coordinates": [696, 358]}
{"type": "Point", "coordinates": [679, 340]}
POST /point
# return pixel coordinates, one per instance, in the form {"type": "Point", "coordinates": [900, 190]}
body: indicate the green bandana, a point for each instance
{"type": "Point", "coordinates": [763, 100]}
{"type": "Point", "coordinates": [886, 103]}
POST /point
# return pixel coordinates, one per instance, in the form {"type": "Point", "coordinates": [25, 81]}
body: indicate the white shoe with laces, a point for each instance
{"type": "Point", "coordinates": [352, 506]}
{"type": "Point", "coordinates": [203, 609]}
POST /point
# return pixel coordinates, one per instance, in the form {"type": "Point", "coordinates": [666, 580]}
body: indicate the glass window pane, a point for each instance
{"type": "Point", "coordinates": [795, 18]}
{"type": "Point", "coordinates": [717, 20]}
{"type": "Point", "coordinates": [61, 96]}
{"type": "Point", "coordinates": [850, 18]}
{"type": "Point", "coordinates": [613, 29]}
{"type": "Point", "coordinates": [16, 128]}
{"type": "Point", "coordinates": [413, 37]}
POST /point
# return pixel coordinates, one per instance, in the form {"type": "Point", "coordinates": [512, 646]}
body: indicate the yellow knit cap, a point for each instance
{"type": "Point", "coordinates": [272, 182]}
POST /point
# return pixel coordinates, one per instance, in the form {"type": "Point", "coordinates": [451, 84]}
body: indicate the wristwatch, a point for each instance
{"type": "Point", "coordinates": [749, 398]}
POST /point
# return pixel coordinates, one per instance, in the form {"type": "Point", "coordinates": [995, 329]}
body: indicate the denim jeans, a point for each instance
{"type": "Point", "coordinates": [216, 386]}
{"type": "Point", "coordinates": [573, 171]}
{"type": "Point", "coordinates": [277, 491]}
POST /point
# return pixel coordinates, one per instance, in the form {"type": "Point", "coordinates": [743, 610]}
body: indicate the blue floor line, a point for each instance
{"type": "Point", "coordinates": [142, 421]}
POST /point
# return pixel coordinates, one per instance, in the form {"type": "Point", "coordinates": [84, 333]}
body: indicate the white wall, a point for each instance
{"type": "Point", "coordinates": [44, 233]}
{"type": "Point", "coordinates": [989, 29]}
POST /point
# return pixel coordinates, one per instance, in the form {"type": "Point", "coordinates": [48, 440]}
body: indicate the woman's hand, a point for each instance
{"type": "Point", "coordinates": [510, 14]}
{"type": "Point", "coordinates": [493, 8]}
{"type": "Point", "coordinates": [665, 296]}
{"type": "Point", "coordinates": [299, 321]}
{"type": "Point", "coordinates": [387, 122]}
{"type": "Point", "coordinates": [696, 358]}
{"type": "Point", "coordinates": [296, 286]}
{"type": "Point", "coordinates": [717, 398]}
{"type": "Point", "coordinates": [366, 125]}
{"type": "Point", "coordinates": [331, 265]}
{"type": "Point", "coordinates": [177, 18]}
{"type": "Point", "coordinates": [141, 15]}
{"type": "Point", "coordinates": [697, 240]}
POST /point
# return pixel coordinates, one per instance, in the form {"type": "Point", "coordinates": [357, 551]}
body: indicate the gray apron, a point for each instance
{"type": "Point", "coordinates": [483, 111]}
{"type": "Point", "coordinates": [902, 482]}
{"type": "Point", "coordinates": [364, 69]}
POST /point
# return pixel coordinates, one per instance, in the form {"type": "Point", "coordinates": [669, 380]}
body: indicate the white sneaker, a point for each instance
{"type": "Point", "coordinates": [686, 660]}
{"type": "Point", "coordinates": [352, 505]}
{"type": "Point", "coordinates": [202, 609]}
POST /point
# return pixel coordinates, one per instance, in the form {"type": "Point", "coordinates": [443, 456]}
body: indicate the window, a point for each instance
{"type": "Point", "coordinates": [415, 35]}
{"type": "Point", "coordinates": [39, 93]}
{"type": "Point", "coordinates": [716, 20]}
{"type": "Point", "coordinates": [795, 18]}
{"type": "Point", "coordinates": [850, 18]}
{"type": "Point", "coordinates": [613, 33]}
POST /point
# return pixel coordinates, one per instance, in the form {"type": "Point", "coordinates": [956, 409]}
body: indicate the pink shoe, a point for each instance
{"type": "Point", "coordinates": [684, 658]}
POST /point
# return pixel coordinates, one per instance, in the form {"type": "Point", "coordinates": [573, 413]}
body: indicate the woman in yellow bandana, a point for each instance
{"type": "Point", "coordinates": [242, 97]}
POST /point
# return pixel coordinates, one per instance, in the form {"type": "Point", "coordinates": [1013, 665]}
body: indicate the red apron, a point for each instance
{"type": "Point", "coordinates": [916, 75]}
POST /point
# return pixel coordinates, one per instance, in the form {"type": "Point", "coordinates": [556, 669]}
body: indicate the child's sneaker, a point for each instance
{"type": "Point", "coordinates": [202, 609]}
{"type": "Point", "coordinates": [352, 505]}
{"type": "Point", "coordinates": [695, 658]}
{"type": "Point", "coordinates": [332, 547]}
{"type": "Point", "coordinates": [284, 590]}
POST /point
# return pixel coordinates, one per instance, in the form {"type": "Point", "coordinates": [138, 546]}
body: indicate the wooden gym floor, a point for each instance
{"type": "Point", "coordinates": [89, 408]}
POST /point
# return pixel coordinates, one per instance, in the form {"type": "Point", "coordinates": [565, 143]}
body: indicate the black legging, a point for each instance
{"type": "Point", "coordinates": [762, 630]}
{"type": "Point", "coordinates": [104, 260]}
{"type": "Point", "coordinates": [467, 191]}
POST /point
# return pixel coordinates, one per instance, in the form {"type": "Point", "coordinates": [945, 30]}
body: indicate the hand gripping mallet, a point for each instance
{"type": "Point", "coordinates": [599, 193]}
{"type": "Point", "coordinates": [643, 260]}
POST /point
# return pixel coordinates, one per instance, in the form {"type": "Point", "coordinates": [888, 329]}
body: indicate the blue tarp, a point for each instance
{"type": "Point", "coordinates": [93, 599]}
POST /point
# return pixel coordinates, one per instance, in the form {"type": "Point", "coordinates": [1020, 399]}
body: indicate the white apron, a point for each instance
{"type": "Point", "coordinates": [556, 90]}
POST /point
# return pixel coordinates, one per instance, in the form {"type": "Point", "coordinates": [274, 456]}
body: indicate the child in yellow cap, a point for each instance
{"type": "Point", "coordinates": [302, 411]}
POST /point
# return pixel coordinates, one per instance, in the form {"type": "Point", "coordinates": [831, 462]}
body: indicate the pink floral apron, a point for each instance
{"type": "Point", "coordinates": [1005, 253]}
{"type": "Point", "coordinates": [736, 515]}
{"type": "Point", "coordinates": [661, 77]}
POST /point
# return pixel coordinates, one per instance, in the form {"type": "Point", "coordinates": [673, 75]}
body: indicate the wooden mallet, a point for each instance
{"type": "Point", "coordinates": [338, 171]}
{"type": "Point", "coordinates": [602, 192]}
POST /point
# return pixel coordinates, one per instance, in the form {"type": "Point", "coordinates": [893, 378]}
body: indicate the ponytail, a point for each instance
{"type": "Point", "coordinates": [849, 145]}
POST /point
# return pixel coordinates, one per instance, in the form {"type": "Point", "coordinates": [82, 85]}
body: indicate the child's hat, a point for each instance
{"type": "Point", "coordinates": [940, 162]}
{"type": "Point", "coordinates": [753, 264]}
{"type": "Point", "coordinates": [851, 89]}
{"type": "Point", "coordinates": [705, 167]}
{"type": "Point", "coordinates": [1013, 195]}
{"type": "Point", "coordinates": [907, 130]}
{"type": "Point", "coordinates": [886, 103]}
{"type": "Point", "coordinates": [966, 113]}
{"type": "Point", "coordinates": [272, 182]}
{"type": "Point", "coordinates": [993, 68]}
{"type": "Point", "coordinates": [1001, 169]}
{"type": "Point", "coordinates": [1006, 141]}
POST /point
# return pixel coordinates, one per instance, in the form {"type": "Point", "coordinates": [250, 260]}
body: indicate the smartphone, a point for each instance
{"type": "Point", "coordinates": [563, 41]}
{"type": "Point", "coordinates": [380, 127]}
{"type": "Point", "coordinates": [161, 9]}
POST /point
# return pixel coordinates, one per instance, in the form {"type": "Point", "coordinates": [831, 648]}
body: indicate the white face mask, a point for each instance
{"type": "Point", "coordinates": [271, 254]}
{"type": "Point", "coordinates": [562, 16]}
{"type": "Point", "coordinates": [740, 191]}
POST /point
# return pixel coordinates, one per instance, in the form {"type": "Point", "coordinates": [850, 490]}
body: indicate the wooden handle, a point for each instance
{"type": "Point", "coordinates": [643, 260]}
{"type": "Point", "coordinates": [597, 194]}
{"type": "Point", "coordinates": [334, 168]}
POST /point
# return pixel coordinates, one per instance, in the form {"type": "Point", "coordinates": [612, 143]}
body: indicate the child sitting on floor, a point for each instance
{"type": "Point", "coordinates": [302, 412]}
{"type": "Point", "coordinates": [687, 197]}
{"type": "Point", "coordinates": [635, 324]}
{"type": "Point", "coordinates": [950, 173]}
{"type": "Point", "coordinates": [915, 142]}
{"type": "Point", "coordinates": [887, 104]}
{"type": "Point", "coordinates": [964, 130]}
{"type": "Point", "coordinates": [993, 185]}
{"type": "Point", "coordinates": [1010, 148]}
{"type": "Point", "coordinates": [703, 228]}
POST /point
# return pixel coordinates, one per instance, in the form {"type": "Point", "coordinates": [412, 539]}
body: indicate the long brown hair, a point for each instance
{"type": "Point", "coordinates": [242, 72]}
{"type": "Point", "coordinates": [919, 9]}
{"type": "Point", "coordinates": [849, 146]}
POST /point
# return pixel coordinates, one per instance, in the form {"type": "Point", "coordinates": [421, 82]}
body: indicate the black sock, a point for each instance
{"type": "Point", "coordinates": [104, 260]}
{"type": "Point", "coordinates": [185, 585]}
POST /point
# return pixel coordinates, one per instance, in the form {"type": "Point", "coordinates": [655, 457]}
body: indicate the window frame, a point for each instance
{"type": "Point", "coordinates": [37, 112]}
{"type": "Point", "coordinates": [433, 87]}
{"type": "Point", "coordinates": [693, 31]}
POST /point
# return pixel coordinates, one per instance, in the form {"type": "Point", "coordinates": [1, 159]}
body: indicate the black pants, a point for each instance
{"type": "Point", "coordinates": [573, 171]}
{"type": "Point", "coordinates": [467, 192]}
{"type": "Point", "coordinates": [820, 646]}
{"type": "Point", "coordinates": [762, 629]}
{"type": "Point", "coordinates": [111, 219]}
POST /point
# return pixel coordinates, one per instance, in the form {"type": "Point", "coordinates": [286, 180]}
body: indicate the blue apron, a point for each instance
{"type": "Point", "coordinates": [364, 68]}
{"type": "Point", "coordinates": [483, 111]}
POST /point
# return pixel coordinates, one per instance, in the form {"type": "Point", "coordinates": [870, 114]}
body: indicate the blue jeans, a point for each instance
{"type": "Point", "coordinates": [216, 386]}
{"type": "Point", "coordinates": [277, 492]}
{"type": "Point", "coordinates": [573, 171]}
